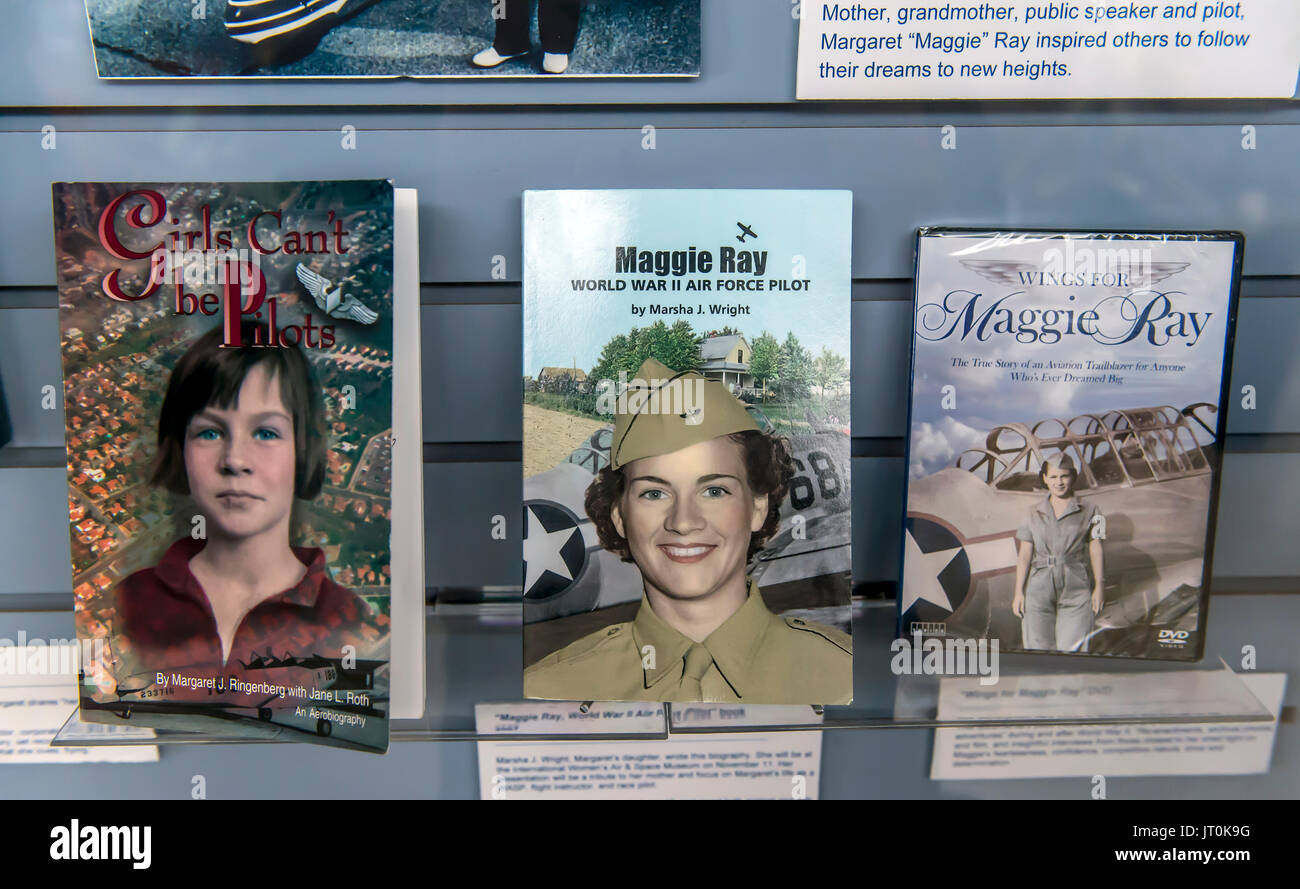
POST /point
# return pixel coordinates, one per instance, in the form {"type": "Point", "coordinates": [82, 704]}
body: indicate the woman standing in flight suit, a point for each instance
{"type": "Point", "coordinates": [1059, 547]}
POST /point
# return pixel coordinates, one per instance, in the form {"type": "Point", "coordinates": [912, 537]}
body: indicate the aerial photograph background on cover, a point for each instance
{"type": "Point", "coordinates": [1065, 437]}
{"type": "Point", "coordinates": [227, 360]}
{"type": "Point", "coordinates": [395, 38]}
{"type": "Point", "coordinates": [686, 446]}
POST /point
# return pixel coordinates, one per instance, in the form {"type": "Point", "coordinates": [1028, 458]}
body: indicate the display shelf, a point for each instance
{"type": "Point", "coordinates": [474, 656]}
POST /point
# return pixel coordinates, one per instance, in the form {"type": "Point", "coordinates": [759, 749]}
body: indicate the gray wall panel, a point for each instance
{"type": "Point", "coordinates": [471, 372]}
{"type": "Point", "coordinates": [1258, 523]}
{"type": "Point", "coordinates": [1266, 358]}
{"type": "Point", "coordinates": [466, 398]}
{"type": "Point", "coordinates": [921, 113]}
{"type": "Point", "coordinates": [29, 361]}
{"type": "Point", "coordinates": [34, 544]}
{"type": "Point", "coordinates": [460, 501]}
{"type": "Point", "coordinates": [877, 518]}
{"type": "Point", "coordinates": [470, 181]}
{"type": "Point", "coordinates": [881, 363]}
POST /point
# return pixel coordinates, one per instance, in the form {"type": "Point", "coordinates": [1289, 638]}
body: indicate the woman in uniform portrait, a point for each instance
{"type": "Point", "coordinates": [1059, 573]}
{"type": "Point", "coordinates": [241, 434]}
{"type": "Point", "coordinates": [689, 497]}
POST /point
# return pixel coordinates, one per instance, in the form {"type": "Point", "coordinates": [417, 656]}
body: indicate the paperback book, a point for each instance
{"type": "Point", "coordinates": [229, 366]}
{"type": "Point", "coordinates": [687, 499]}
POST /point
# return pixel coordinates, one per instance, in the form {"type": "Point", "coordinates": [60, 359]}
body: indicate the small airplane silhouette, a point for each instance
{"type": "Point", "coordinates": [744, 232]}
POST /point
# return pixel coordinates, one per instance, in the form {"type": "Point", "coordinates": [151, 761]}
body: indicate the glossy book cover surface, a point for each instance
{"type": "Point", "coordinates": [1064, 445]}
{"type": "Point", "coordinates": [687, 498]}
{"type": "Point", "coordinates": [228, 372]}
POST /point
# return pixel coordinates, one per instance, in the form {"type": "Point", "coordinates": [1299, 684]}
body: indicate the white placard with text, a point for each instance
{"type": "Point", "coordinates": [1029, 49]}
{"type": "Point", "coordinates": [38, 692]}
{"type": "Point", "coordinates": [1068, 751]}
{"type": "Point", "coordinates": [722, 765]}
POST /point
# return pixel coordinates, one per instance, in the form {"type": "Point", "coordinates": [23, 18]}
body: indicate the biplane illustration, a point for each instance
{"type": "Point", "coordinates": [566, 571]}
{"type": "Point", "coordinates": [1149, 471]}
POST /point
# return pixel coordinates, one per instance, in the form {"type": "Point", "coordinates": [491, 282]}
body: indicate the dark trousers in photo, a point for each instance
{"type": "Point", "coordinates": [557, 22]}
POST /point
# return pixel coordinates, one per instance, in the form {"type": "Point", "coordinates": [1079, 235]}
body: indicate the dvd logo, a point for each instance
{"type": "Point", "coordinates": [1172, 637]}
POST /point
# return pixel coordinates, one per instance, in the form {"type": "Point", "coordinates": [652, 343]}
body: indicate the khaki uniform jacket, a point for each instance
{"type": "Point", "coordinates": [758, 658]}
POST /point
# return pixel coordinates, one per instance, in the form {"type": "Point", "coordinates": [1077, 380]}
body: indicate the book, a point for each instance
{"type": "Point", "coordinates": [1065, 438]}
{"type": "Point", "coordinates": [687, 530]}
{"type": "Point", "coordinates": [229, 362]}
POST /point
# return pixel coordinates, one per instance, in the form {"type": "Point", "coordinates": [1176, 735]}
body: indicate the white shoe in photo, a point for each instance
{"type": "Point", "coordinates": [490, 58]}
{"type": "Point", "coordinates": [555, 62]}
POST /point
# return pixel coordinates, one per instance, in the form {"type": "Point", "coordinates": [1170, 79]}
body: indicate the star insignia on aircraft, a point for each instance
{"type": "Point", "coordinates": [554, 551]}
{"type": "Point", "coordinates": [936, 569]}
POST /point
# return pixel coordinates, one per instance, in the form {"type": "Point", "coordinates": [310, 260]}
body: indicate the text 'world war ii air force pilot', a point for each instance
{"type": "Point", "coordinates": [689, 496]}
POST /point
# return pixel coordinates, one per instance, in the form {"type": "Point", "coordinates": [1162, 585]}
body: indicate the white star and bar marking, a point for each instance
{"type": "Point", "coordinates": [992, 555]}
{"type": "Point", "coordinates": [542, 551]}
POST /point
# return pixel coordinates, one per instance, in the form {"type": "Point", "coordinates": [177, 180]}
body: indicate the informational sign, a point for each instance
{"type": "Point", "coordinates": [1028, 49]}
{"type": "Point", "coordinates": [721, 765]}
{"type": "Point", "coordinates": [38, 691]}
{"type": "Point", "coordinates": [1064, 751]}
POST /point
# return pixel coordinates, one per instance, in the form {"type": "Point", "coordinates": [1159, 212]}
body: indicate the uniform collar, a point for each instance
{"type": "Point", "coordinates": [173, 571]}
{"type": "Point", "coordinates": [1046, 507]}
{"type": "Point", "coordinates": [732, 645]}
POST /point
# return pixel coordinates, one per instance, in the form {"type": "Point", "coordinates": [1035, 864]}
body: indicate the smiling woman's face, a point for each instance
{"type": "Point", "coordinates": [1058, 480]}
{"type": "Point", "coordinates": [240, 460]}
{"type": "Point", "coordinates": [688, 516]}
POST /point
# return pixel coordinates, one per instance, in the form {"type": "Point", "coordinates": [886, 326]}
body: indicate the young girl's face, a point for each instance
{"type": "Point", "coordinates": [1059, 481]}
{"type": "Point", "coordinates": [240, 460]}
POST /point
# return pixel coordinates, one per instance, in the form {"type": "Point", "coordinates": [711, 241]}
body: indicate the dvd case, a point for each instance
{"type": "Point", "coordinates": [228, 360]}
{"type": "Point", "coordinates": [1064, 447]}
{"type": "Point", "coordinates": [686, 446]}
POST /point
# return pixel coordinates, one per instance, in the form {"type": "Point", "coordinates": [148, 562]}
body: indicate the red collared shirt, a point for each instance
{"type": "Point", "coordinates": [164, 621]}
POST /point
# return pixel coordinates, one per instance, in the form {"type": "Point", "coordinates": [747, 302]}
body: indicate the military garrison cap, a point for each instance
{"type": "Point", "coordinates": [664, 410]}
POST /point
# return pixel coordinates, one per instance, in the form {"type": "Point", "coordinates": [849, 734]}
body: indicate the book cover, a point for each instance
{"type": "Point", "coordinates": [1065, 430]}
{"type": "Point", "coordinates": [687, 530]}
{"type": "Point", "coordinates": [228, 386]}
